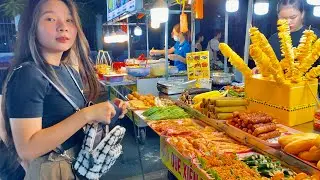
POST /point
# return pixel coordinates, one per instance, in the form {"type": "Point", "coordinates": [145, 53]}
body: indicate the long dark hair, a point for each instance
{"type": "Point", "coordinates": [27, 49]}
{"type": "Point", "coordinates": [297, 4]}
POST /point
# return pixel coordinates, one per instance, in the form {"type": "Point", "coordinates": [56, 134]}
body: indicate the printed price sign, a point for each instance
{"type": "Point", "coordinates": [198, 65]}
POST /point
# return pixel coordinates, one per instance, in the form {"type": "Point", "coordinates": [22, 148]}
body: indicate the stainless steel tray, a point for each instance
{"type": "Point", "coordinates": [176, 86]}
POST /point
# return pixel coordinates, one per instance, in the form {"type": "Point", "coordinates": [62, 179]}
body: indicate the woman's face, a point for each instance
{"type": "Point", "coordinates": [56, 31]}
{"type": "Point", "coordinates": [293, 16]}
{"type": "Point", "coordinates": [175, 34]}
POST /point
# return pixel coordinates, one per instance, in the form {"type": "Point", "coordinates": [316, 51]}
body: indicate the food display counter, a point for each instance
{"type": "Point", "coordinates": [250, 126]}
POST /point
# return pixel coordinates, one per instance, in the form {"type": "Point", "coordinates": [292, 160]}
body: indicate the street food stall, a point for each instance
{"type": "Point", "coordinates": [211, 127]}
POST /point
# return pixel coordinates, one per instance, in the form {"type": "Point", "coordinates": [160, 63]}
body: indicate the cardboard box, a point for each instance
{"type": "Point", "coordinates": [291, 105]}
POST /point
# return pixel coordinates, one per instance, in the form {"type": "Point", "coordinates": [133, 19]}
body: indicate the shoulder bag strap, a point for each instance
{"type": "Point", "coordinates": [73, 104]}
{"type": "Point", "coordinates": [75, 81]}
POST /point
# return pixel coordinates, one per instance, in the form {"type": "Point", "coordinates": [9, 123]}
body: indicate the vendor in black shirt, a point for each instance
{"type": "Point", "coordinates": [293, 11]}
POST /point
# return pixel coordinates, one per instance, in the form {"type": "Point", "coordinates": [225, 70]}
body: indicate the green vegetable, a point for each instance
{"type": "Point", "coordinates": [213, 174]}
{"type": "Point", "coordinates": [233, 93]}
{"type": "Point", "coordinates": [162, 113]}
{"type": "Point", "coordinates": [266, 173]}
{"type": "Point", "coordinates": [266, 166]}
{"type": "Point", "coordinates": [251, 163]}
{"type": "Point", "coordinates": [202, 162]}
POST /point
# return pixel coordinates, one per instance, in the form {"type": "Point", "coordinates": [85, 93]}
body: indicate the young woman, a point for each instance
{"type": "Point", "coordinates": [199, 40]}
{"type": "Point", "coordinates": [37, 117]}
{"type": "Point", "coordinates": [179, 51]}
{"type": "Point", "coordinates": [293, 11]}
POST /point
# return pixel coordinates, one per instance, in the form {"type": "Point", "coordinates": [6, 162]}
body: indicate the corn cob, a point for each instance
{"type": "Point", "coordinates": [258, 38]}
{"type": "Point", "coordinates": [207, 95]}
{"type": "Point", "coordinates": [305, 46]}
{"type": "Point", "coordinates": [286, 47]}
{"type": "Point", "coordinates": [313, 73]}
{"type": "Point", "coordinates": [235, 60]}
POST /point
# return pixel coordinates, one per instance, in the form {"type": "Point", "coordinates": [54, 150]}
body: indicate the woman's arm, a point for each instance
{"type": "Point", "coordinates": [32, 141]}
{"type": "Point", "coordinates": [161, 52]}
{"type": "Point", "coordinates": [174, 57]}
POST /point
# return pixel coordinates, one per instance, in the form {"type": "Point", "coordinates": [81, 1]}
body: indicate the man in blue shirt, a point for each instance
{"type": "Point", "coordinates": [179, 51]}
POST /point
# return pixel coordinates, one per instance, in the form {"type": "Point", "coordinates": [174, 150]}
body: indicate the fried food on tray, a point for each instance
{"type": "Point", "coordinates": [147, 100]}
{"type": "Point", "coordinates": [137, 104]}
{"type": "Point", "coordinates": [226, 166]}
{"type": "Point", "coordinates": [258, 124]}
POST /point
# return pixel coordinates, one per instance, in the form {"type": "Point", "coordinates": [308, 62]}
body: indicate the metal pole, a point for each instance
{"type": "Point", "coordinates": [226, 38]}
{"type": "Point", "coordinates": [147, 34]}
{"type": "Point", "coordinates": [193, 29]}
{"type": "Point", "coordinates": [247, 43]}
{"type": "Point", "coordinates": [129, 42]}
{"type": "Point", "coordinates": [166, 50]}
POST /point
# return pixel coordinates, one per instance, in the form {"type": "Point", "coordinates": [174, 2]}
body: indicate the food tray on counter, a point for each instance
{"type": "Point", "coordinates": [114, 77]}
{"type": "Point", "coordinates": [314, 165]}
{"type": "Point", "coordinates": [273, 142]}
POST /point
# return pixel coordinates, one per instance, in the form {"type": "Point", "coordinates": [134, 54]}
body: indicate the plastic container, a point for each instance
{"type": "Point", "coordinates": [173, 70]}
{"type": "Point", "coordinates": [138, 71]}
{"type": "Point", "coordinates": [114, 77]}
{"type": "Point", "coordinates": [205, 83]}
{"type": "Point", "coordinates": [118, 65]}
{"type": "Point", "coordinates": [158, 69]}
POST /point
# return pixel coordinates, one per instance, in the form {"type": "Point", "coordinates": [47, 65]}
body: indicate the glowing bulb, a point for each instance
{"type": "Point", "coordinates": [155, 24]}
{"type": "Point", "coordinates": [261, 8]}
{"type": "Point", "coordinates": [314, 2]}
{"type": "Point", "coordinates": [316, 11]}
{"type": "Point", "coordinates": [160, 11]}
{"type": "Point", "coordinates": [159, 14]}
{"type": "Point", "coordinates": [232, 5]}
{"type": "Point", "coordinates": [137, 31]}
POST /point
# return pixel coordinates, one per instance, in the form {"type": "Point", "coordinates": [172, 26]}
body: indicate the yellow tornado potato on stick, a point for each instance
{"type": "Point", "coordinates": [255, 36]}
{"type": "Point", "coordinates": [305, 46]}
{"type": "Point", "coordinates": [259, 39]}
{"type": "Point", "coordinates": [262, 61]}
{"type": "Point", "coordinates": [286, 46]}
{"type": "Point", "coordinates": [235, 60]}
{"type": "Point", "coordinates": [308, 61]}
{"type": "Point", "coordinates": [261, 58]}
{"type": "Point", "coordinates": [313, 73]}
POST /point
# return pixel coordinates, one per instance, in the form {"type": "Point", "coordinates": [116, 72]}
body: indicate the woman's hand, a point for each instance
{"type": "Point", "coordinates": [153, 52]}
{"type": "Point", "coordinates": [122, 105]}
{"type": "Point", "coordinates": [255, 70]}
{"type": "Point", "coordinates": [173, 57]}
{"type": "Point", "coordinates": [102, 112]}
